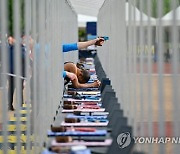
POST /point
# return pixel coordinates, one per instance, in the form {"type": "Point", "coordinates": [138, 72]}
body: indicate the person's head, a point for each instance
{"type": "Point", "coordinates": [11, 40]}
{"type": "Point", "coordinates": [83, 76]}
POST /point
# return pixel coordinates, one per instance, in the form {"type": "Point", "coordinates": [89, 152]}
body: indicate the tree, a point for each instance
{"type": "Point", "coordinates": [166, 6]}
{"type": "Point", "coordinates": [10, 16]}
{"type": "Point", "coordinates": [10, 4]}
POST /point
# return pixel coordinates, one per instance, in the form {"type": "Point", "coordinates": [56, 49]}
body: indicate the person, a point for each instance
{"type": "Point", "coordinates": [73, 73]}
{"type": "Point", "coordinates": [11, 72]}
{"type": "Point", "coordinates": [167, 56]}
{"type": "Point", "coordinates": [79, 77]}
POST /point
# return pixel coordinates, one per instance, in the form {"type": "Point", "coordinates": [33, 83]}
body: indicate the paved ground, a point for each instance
{"type": "Point", "coordinates": [167, 101]}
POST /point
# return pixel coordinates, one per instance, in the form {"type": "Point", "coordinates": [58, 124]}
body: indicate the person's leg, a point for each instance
{"type": "Point", "coordinates": [10, 93]}
{"type": "Point", "coordinates": [21, 91]}
{"type": "Point", "coordinates": [32, 104]}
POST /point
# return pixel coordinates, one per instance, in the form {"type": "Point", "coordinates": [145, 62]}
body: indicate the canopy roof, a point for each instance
{"type": "Point", "coordinates": [87, 10]}
{"type": "Point", "coordinates": [167, 20]}
{"type": "Point", "coordinates": [137, 17]}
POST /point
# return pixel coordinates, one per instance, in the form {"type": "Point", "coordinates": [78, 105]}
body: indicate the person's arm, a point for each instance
{"type": "Point", "coordinates": [97, 41]}
{"type": "Point", "coordinates": [76, 84]}
{"type": "Point", "coordinates": [64, 74]}
{"type": "Point", "coordinates": [82, 45]}
{"type": "Point", "coordinates": [69, 47]}
{"type": "Point", "coordinates": [70, 75]}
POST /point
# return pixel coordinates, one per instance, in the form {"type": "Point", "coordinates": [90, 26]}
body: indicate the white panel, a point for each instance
{"type": "Point", "coordinates": [87, 7]}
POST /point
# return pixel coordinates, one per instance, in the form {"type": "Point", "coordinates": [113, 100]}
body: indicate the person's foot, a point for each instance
{"type": "Point", "coordinates": [11, 108]}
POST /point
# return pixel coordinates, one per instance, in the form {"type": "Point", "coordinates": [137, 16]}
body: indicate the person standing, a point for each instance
{"type": "Point", "coordinates": [11, 73]}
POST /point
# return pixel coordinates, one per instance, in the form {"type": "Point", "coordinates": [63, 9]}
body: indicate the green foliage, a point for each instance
{"type": "Point", "coordinates": [10, 4]}
{"type": "Point", "coordinates": [10, 16]}
{"type": "Point", "coordinates": [154, 8]}
{"type": "Point", "coordinates": [22, 20]}
{"type": "Point", "coordinates": [166, 6]}
{"type": "Point", "coordinates": [82, 34]}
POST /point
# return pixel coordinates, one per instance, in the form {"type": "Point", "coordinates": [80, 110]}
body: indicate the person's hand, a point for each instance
{"type": "Point", "coordinates": [99, 41]}
{"type": "Point", "coordinates": [70, 75]}
{"type": "Point", "coordinates": [96, 84]}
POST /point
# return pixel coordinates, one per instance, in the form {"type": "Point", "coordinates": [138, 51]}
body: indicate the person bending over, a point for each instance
{"type": "Point", "coordinates": [79, 77]}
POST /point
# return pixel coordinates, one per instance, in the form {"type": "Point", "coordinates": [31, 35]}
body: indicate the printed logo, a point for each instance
{"type": "Point", "coordinates": [123, 140]}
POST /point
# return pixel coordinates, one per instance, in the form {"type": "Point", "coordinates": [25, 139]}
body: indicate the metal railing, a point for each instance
{"type": "Point", "coordinates": [45, 26]}
{"type": "Point", "coordinates": [142, 59]}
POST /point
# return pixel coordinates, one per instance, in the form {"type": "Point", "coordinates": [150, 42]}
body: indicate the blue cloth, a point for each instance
{"type": "Point", "coordinates": [87, 116]}
{"type": "Point", "coordinates": [11, 59]}
{"type": "Point", "coordinates": [80, 97]}
{"type": "Point", "coordinates": [11, 55]}
{"type": "Point", "coordinates": [83, 89]}
{"type": "Point", "coordinates": [85, 151]}
{"type": "Point", "coordinates": [64, 74]}
{"type": "Point", "coordinates": [78, 133]}
{"type": "Point", "coordinates": [86, 96]}
{"type": "Point", "coordinates": [47, 152]}
{"type": "Point", "coordinates": [70, 47]}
